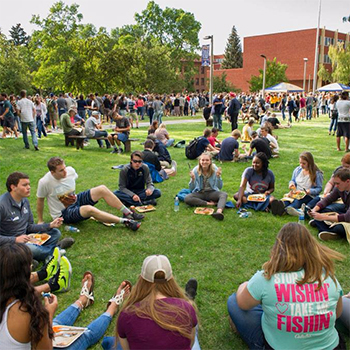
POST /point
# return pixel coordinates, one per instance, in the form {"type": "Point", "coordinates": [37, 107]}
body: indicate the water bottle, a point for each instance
{"type": "Point", "coordinates": [71, 229]}
{"type": "Point", "coordinates": [176, 204]}
{"type": "Point", "coordinates": [301, 220]}
{"type": "Point", "coordinates": [246, 215]}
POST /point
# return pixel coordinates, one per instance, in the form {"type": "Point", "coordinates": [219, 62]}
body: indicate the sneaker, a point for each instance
{"type": "Point", "coordinates": [218, 216]}
{"type": "Point", "coordinates": [132, 225]}
{"type": "Point", "coordinates": [328, 236]}
{"type": "Point", "coordinates": [65, 243]}
{"type": "Point", "coordinates": [53, 264]}
{"type": "Point", "coordinates": [120, 150]}
{"type": "Point", "coordinates": [292, 211]}
{"type": "Point", "coordinates": [36, 148]}
{"type": "Point", "coordinates": [312, 223]}
{"type": "Point", "coordinates": [134, 216]}
{"type": "Point", "coordinates": [64, 275]}
{"type": "Point", "coordinates": [115, 150]}
{"type": "Point", "coordinates": [191, 288]}
{"type": "Point", "coordinates": [277, 207]}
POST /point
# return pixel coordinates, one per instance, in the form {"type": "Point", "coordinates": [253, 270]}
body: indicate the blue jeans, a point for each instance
{"type": "Point", "coordinates": [61, 111]}
{"type": "Point", "coordinates": [309, 112]}
{"type": "Point", "coordinates": [338, 229]}
{"type": "Point", "coordinates": [31, 126]}
{"type": "Point", "coordinates": [40, 126]}
{"type": "Point", "coordinates": [41, 252]}
{"type": "Point", "coordinates": [169, 142]}
{"type": "Point", "coordinates": [297, 203]}
{"type": "Point", "coordinates": [345, 316]}
{"type": "Point", "coordinates": [158, 116]}
{"type": "Point", "coordinates": [247, 322]}
{"type": "Point", "coordinates": [333, 125]}
{"type": "Point", "coordinates": [102, 133]}
{"type": "Point", "coordinates": [290, 116]}
{"type": "Point", "coordinates": [95, 330]}
{"type": "Point", "coordinates": [217, 121]}
{"type": "Point", "coordinates": [283, 113]}
{"type": "Point", "coordinates": [127, 200]}
{"type": "Point", "coordinates": [18, 120]}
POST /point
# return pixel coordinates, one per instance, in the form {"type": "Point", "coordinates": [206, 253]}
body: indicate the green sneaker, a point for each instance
{"type": "Point", "coordinates": [65, 275]}
{"type": "Point", "coordinates": [53, 264]}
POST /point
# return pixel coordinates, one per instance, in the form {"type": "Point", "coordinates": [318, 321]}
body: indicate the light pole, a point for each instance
{"type": "Point", "coordinates": [264, 76]}
{"type": "Point", "coordinates": [305, 62]}
{"type": "Point", "coordinates": [211, 37]}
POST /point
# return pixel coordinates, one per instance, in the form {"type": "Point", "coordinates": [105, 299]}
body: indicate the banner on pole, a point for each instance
{"type": "Point", "coordinates": [205, 55]}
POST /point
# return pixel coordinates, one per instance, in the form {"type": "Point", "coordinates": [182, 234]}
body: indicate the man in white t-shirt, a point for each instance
{"type": "Point", "coordinates": [58, 187]}
{"type": "Point", "coordinates": [26, 111]}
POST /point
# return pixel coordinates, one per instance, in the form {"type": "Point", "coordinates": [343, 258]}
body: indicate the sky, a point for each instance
{"type": "Point", "coordinates": [251, 17]}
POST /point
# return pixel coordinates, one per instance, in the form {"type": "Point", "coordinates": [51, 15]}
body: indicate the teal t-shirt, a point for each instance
{"type": "Point", "coordinates": [9, 114]}
{"type": "Point", "coordinates": [297, 316]}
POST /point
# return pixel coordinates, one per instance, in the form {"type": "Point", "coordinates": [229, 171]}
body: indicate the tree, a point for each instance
{"type": "Point", "coordinates": [340, 58]}
{"type": "Point", "coordinates": [174, 28]}
{"type": "Point", "coordinates": [18, 35]}
{"type": "Point", "coordinates": [220, 84]}
{"type": "Point", "coordinates": [323, 73]}
{"type": "Point", "coordinates": [233, 51]}
{"type": "Point", "coordinates": [275, 74]}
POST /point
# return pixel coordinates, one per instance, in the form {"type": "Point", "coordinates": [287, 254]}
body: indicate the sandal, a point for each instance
{"type": "Point", "coordinates": [118, 298]}
{"type": "Point", "coordinates": [85, 291]}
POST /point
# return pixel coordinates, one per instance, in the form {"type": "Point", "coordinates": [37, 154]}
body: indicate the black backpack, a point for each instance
{"type": "Point", "coordinates": [191, 148]}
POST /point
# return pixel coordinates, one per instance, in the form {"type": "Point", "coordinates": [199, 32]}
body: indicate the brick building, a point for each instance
{"type": "Point", "coordinates": [290, 48]}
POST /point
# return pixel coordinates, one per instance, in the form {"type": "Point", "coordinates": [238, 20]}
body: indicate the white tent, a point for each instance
{"type": "Point", "coordinates": [335, 87]}
{"type": "Point", "coordinates": [284, 87]}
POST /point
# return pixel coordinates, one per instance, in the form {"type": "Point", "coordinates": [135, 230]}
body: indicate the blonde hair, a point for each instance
{"type": "Point", "coordinates": [295, 248]}
{"type": "Point", "coordinates": [148, 306]}
{"type": "Point", "coordinates": [162, 126]}
{"type": "Point", "coordinates": [211, 167]}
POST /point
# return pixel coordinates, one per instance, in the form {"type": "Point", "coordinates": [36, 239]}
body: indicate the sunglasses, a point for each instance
{"type": "Point", "coordinates": [136, 161]}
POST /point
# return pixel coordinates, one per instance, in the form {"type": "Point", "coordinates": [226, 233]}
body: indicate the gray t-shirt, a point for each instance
{"type": "Point", "coordinates": [157, 105]}
{"type": "Point", "coordinates": [343, 107]}
{"type": "Point", "coordinates": [256, 183]}
{"type": "Point", "coordinates": [90, 126]}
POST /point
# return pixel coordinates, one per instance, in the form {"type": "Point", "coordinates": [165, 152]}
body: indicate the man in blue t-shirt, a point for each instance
{"type": "Point", "coordinates": [229, 149]}
{"type": "Point", "coordinates": [204, 144]}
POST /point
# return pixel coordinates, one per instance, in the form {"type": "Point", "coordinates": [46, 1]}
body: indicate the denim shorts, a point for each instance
{"type": "Point", "coordinates": [71, 215]}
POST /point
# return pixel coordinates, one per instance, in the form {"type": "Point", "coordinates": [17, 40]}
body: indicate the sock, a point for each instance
{"type": "Point", "coordinates": [115, 147]}
{"type": "Point", "coordinates": [42, 274]}
{"type": "Point", "coordinates": [125, 210]}
{"type": "Point", "coordinates": [123, 221]}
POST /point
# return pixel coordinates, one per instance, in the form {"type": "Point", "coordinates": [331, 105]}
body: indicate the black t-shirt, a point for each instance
{"type": "Point", "coordinates": [262, 145]}
{"type": "Point", "coordinates": [202, 145]}
{"type": "Point", "coordinates": [274, 121]}
{"type": "Point", "coordinates": [122, 124]}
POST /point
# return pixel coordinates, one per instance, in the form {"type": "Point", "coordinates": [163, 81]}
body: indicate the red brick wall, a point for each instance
{"type": "Point", "coordinates": [235, 76]}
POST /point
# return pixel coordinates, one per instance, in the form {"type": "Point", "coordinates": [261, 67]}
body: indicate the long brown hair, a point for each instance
{"type": "Point", "coordinates": [313, 168]}
{"type": "Point", "coordinates": [148, 306]}
{"type": "Point", "coordinates": [295, 248]}
{"type": "Point", "coordinates": [15, 262]}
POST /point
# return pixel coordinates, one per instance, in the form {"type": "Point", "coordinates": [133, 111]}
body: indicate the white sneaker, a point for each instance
{"type": "Point", "coordinates": [328, 236]}
{"type": "Point", "coordinates": [292, 211]}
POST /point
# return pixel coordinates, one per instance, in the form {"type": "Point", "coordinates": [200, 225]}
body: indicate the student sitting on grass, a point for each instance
{"type": "Point", "coordinates": [204, 145]}
{"type": "Point", "coordinates": [266, 310]}
{"type": "Point", "coordinates": [26, 323]}
{"type": "Point", "coordinates": [213, 139]}
{"type": "Point", "coordinates": [247, 131]}
{"type": "Point", "coordinates": [341, 220]}
{"type": "Point", "coordinates": [121, 132]}
{"type": "Point", "coordinates": [261, 144]}
{"type": "Point", "coordinates": [307, 178]}
{"type": "Point", "coordinates": [206, 184]}
{"type": "Point", "coordinates": [257, 179]}
{"type": "Point", "coordinates": [229, 150]}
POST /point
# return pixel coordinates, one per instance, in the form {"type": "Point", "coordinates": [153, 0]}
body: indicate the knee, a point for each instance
{"type": "Point", "coordinates": [102, 189]}
{"type": "Point", "coordinates": [55, 233]}
{"type": "Point", "coordinates": [232, 303]}
{"type": "Point", "coordinates": [87, 210]}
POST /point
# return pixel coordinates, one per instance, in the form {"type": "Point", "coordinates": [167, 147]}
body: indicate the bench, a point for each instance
{"type": "Point", "coordinates": [69, 139]}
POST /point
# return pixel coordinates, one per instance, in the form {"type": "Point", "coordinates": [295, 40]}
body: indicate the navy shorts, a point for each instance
{"type": "Point", "coordinates": [71, 215]}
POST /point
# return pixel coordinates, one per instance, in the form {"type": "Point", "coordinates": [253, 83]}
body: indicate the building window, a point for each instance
{"type": "Point", "coordinates": [328, 41]}
{"type": "Point", "coordinates": [326, 59]}
{"type": "Point", "coordinates": [202, 70]}
{"type": "Point", "coordinates": [197, 81]}
{"type": "Point", "coordinates": [202, 81]}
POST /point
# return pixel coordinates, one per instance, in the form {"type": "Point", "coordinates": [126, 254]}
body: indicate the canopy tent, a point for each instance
{"type": "Point", "coordinates": [284, 87]}
{"type": "Point", "coordinates": [335, 87]}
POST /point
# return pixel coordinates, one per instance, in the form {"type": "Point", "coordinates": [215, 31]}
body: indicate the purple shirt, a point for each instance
{"type": "Point", "coordinates": [144, 333]}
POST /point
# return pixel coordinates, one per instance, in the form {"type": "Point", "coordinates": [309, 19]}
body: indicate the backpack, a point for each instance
{"type": "Point", "coordinates": [191, 148]}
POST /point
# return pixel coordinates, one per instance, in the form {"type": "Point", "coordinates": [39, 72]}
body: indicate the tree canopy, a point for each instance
{"type": "Point", "coordinates": [63, 54]}
{"type": "Point", "coordinates": [275, 74]}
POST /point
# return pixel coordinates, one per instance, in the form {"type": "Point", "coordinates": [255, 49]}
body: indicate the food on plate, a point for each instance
{"type": "Point", "coordinates": [257, 198]}
{"type": "Point", "coordinates": [204, 211]}
{"type": "Point", "coordinates": [38, 238]}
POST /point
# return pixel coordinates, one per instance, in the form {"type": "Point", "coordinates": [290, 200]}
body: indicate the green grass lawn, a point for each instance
{"type": "Point", "coordinates": [220, 255]}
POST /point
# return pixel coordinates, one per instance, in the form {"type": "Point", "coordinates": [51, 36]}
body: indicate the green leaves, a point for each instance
{"type": "Point", "coordinates": [275, 74]}
{"type": "Point", "coordinates": [340, 58]}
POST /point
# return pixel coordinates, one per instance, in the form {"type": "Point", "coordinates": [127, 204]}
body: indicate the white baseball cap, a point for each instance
{"type": "Point", "coordinates": [153, 264]}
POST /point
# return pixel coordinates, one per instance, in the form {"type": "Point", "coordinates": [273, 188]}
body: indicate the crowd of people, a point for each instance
{"type": "Point", "coordinates": [293, 302]}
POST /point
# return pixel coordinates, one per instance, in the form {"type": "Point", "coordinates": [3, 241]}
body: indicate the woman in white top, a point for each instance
{"type": "Point", "coordinates": [333, 114]}
{"type": "Point", "coordinates": [343, 107]}
{"type": "Point", "coordinates": [40, 110]}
